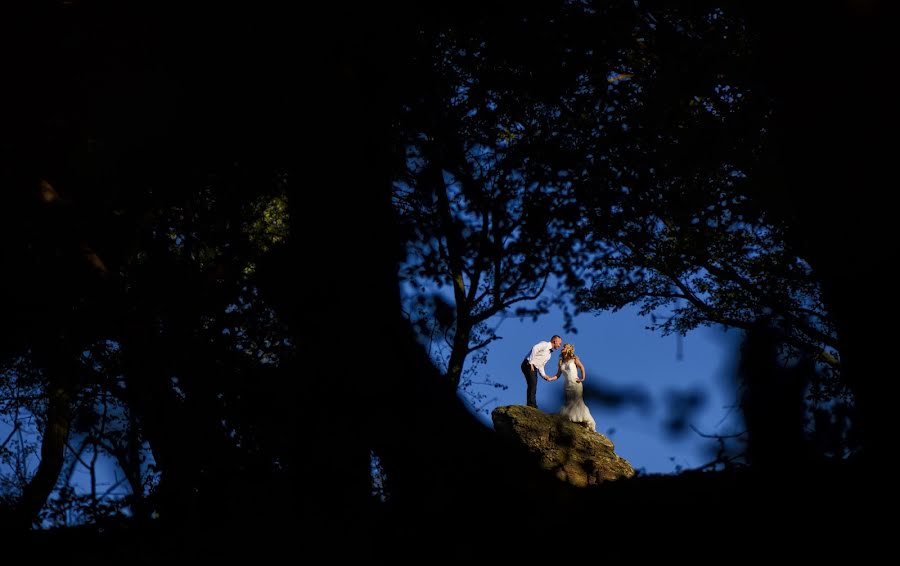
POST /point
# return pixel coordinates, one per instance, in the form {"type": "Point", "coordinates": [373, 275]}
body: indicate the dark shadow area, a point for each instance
{"type": "Point", "coordinates": [616, 398]}
{"type": "Point", "coordinates": [681, 407]}
{"type": "Point", "coordinates": [678, 407]}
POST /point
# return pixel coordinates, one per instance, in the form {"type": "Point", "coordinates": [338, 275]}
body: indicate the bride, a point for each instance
{"type": "Point", "coordinates": [575, 410]}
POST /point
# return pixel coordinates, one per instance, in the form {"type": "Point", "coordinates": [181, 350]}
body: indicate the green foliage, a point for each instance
{"type": "Point", "coordinates": [270, 221]}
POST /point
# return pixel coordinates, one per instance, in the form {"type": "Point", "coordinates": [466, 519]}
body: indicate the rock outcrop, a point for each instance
{"type": "Point", "coordinates": [568, 450]}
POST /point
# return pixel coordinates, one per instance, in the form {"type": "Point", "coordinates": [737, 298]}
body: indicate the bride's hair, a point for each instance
{"type": "Point", "coordinates": [568, 352]}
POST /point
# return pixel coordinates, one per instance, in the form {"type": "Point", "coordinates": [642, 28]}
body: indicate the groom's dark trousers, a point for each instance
{"type": "Point", "coordinates": [531, 376]}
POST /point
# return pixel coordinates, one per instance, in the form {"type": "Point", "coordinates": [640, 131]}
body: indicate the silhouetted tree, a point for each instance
{"type": "Point", "coordinates": [139, 218]}
{"type": "Point", "coordinates": [485, 215]}
{"type": "Point", "coordinates": [818, 147]}
{"type": "Point", "coordinates": [562, 137]}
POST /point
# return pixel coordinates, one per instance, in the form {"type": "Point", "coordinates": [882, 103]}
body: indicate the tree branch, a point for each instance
{"type": "Point", "coordinates": [11, 434]}
{"type": "Point", "coordinates": [774, 302]}
{"type": "Point", "coordinates": [483, 343]}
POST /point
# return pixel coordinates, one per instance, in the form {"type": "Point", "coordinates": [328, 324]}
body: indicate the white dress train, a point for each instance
{"type": "Point", "coordinates": [575, 410]}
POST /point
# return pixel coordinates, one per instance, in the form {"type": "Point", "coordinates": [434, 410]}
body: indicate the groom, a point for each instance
{"type": "Point", "coordinates": [534, 363]}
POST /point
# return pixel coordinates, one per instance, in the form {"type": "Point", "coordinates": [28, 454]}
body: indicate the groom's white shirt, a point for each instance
{"type": "Point", "coordinates": [540, 355]}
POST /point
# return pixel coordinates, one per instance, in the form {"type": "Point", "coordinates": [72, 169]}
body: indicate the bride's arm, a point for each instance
{"type": "Point", "coordinates": [581, 367]}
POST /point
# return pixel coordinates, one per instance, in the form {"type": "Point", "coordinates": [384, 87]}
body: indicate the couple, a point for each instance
{"type": "Point", "coordinates": [575, 410]}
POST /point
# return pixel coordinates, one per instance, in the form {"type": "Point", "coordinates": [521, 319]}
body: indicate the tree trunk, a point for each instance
{"type": "Point", "coordinates": [460, 351]}
{"type": "Point", "coordinates": [839, 145]}
{"type": "Point", "coordinates": [53, 451]}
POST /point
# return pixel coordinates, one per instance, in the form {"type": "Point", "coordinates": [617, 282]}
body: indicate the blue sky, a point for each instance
{"type": "Point", "coordinates": [622, 356]}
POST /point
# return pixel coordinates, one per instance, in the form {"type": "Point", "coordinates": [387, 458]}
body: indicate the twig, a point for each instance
{"type": "Point", "coordinates": [486, 404]}
{"type": "Point", "coordinates": [112, 487]}
{"type": "Point", "coordinates": [11, 433]}
{"type": "Point", "coordinates": [717, 436]}
{"type": "Point", "coordinates": [717, 461]}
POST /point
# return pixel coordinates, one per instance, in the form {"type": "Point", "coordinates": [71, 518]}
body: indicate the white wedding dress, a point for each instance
{"type": "Point", "coordinates": [575, 410]}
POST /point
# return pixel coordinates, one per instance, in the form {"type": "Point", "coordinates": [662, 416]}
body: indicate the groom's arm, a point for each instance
{"type": "Point", "coordinates": [535, 350]}
{"type": "Point", "coordinates": [549, 378]}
